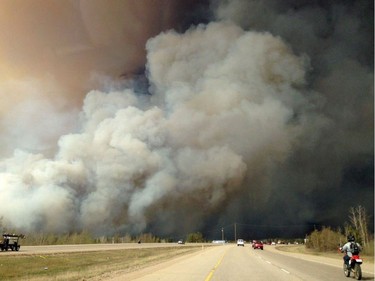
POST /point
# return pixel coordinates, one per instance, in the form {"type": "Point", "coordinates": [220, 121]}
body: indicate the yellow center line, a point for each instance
{"type": "Point", "coordinates": [209, 276]}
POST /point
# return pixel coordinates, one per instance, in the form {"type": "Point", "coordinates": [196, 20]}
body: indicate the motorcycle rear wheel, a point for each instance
{"type": "Point", "coordinates": [346, 270]}
{"type": "Point", "coordinates": [357, 272]}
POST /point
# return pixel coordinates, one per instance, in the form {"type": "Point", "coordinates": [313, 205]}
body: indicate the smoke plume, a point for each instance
{"type": "Point", "coordinates": [263, 116]}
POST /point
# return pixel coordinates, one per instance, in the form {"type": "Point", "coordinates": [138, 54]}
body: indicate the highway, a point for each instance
{"type": "Point", "coordinates": [232, 263]}
{"type": "Point", "coordinates": [219, 263]}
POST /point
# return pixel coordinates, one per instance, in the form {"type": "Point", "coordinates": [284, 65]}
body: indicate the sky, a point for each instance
{"type": "Point", "coordinates": [130, 117]}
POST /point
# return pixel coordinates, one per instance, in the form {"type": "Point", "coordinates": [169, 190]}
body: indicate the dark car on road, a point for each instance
{"type": "Point", "coordinates": [258, 245]}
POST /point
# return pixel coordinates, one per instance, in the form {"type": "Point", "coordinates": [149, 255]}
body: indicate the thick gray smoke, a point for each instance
{"type": "Point", "coordinates": [334, 158]}
{"type": "Point", "coordinates": [53, 52]}
{"type": "Point", "coordinates": [259, 119]}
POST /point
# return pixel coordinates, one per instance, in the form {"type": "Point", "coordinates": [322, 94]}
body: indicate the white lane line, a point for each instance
{"type": "Point", "coordinates": [286, 271]}
{"type": "Point", "coordinates": [282, 269]}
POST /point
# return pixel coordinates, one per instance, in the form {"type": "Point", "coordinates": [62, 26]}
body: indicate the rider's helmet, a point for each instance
{"type": "Point", "coordinates": [351, 238]}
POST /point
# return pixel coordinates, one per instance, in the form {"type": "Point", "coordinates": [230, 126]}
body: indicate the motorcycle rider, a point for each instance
{"type": "Point", "coordinates": [347, 249]}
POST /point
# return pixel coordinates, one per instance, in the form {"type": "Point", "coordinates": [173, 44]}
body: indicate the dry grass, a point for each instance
{"type": "Point", "coordinates": [303, 250]}
{"type": "Point", "coordinates": [84, 265]}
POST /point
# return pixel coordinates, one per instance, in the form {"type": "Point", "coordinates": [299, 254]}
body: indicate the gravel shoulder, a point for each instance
{"type": "Point", "coordinates": [332, 259]}
{"type": "Point", "coordinates": [134, 274]}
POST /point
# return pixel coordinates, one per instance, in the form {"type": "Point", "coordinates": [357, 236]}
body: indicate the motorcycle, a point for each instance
{"type": "Point", "coordinates": [354, 267]}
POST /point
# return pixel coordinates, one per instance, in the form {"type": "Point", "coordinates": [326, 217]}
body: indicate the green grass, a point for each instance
{"type": "Point", "coordinates": [84, 265]}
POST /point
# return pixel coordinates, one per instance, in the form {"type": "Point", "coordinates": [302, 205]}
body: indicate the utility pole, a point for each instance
{"type": "Point", "coordinates": [235, 232]}
{"type": "Point", "coordinates": [222, 233]}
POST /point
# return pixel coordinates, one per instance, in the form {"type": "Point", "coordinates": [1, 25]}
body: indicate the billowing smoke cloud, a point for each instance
{"type": "Point", "coordinates": [53, 52]}
{"type": "Point", "coordinates": [335, 159]}
{"type": "Point", "coordinates": [241, 119]}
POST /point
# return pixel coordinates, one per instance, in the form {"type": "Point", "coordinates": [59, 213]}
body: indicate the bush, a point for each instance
{"type": "Point", "coordinates": [368, 250]}
{"type": "Point", "coordinates": [194, 237]}
{"type": "Point", "coordinates": [325, 240]}
{"type": "Point", "coordinates": [41, 238]}
{"type": "Point", "coordinates": [148, 238]}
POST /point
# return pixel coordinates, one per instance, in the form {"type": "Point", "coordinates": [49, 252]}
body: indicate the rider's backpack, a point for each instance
{"type": "Point", "coordinates": [354, 248]}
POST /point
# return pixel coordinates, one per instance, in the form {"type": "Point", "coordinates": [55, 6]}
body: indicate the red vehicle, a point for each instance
{"type": "Point", "coordinates": [258, 245]}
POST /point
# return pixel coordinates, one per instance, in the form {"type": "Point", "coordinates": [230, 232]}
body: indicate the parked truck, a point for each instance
{"type": "Point", "coordinates": [10, 241]}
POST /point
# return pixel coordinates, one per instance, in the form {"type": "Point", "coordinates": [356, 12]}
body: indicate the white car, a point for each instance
{"type": "Point", "coordinates": [240, 242]}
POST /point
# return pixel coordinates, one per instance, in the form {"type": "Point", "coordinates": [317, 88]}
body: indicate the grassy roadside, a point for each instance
{"type": "Point", "coordinates": [301, 249]}
{"type": "Point", "coordinates": [84, 265]}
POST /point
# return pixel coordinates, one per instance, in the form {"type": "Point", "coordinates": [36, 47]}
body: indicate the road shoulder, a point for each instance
{"type": "Point", "coordinates": [337, 262]}
{"type": "Point", "coordinates": [138, 273]}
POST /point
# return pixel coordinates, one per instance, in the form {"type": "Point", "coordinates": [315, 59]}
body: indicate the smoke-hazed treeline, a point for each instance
{"type": "Point", "coordinates": [262, 116]}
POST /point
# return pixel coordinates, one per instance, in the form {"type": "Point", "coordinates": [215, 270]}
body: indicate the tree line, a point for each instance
{"type": "Point", "coordinates": [328, 239]}
{"type": "Point", "coordinates": [325, 239]}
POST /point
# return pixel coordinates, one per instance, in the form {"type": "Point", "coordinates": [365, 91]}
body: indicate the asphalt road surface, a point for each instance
{"type": "Point", "coordinates": [232, 263]}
